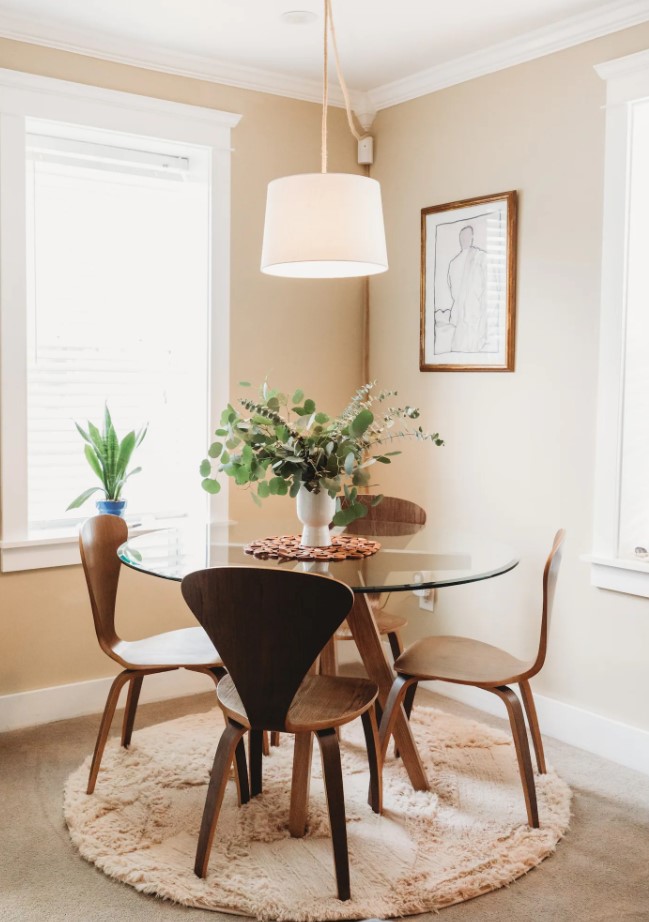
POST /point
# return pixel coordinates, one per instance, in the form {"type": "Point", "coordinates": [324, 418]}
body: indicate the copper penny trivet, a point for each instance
{"type": "Point", "coordinates": [288, 547]}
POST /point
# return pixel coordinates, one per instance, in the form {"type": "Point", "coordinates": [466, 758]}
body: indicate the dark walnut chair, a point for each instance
{"type": "Point", "coordinates": [470, 662]}
{"type": "Point", "coordinates": [392, 516]}
{"type": "Point", "coordinates": [188, 648]}
{"type": "Point", "coordinates": [270, 626]}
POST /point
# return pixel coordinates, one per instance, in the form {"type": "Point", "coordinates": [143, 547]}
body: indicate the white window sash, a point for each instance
{"type": "Point", "coordinates": [24, 96]}
{"type": "Point", "coordinates": [627, 82]}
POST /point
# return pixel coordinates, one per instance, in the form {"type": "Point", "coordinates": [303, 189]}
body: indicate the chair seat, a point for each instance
{"type": "Point", "coordinates": [320, 702]}
{"type": "Point", "coordinates": [460, 659]}
{"type": "Point", "coordinates": [188, 646]}
{"type": "Point", "coordinates": [386, 623]}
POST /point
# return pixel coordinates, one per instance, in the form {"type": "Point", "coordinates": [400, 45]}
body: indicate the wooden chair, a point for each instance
{"type": "Point", "coordinates": [270, 626]}
{"type": "Point", "coordinates": [188, 648]}
{"type": "Point", "coordinates": [392, 516]}
{"type": "Point", "coordinates": [471, 662]}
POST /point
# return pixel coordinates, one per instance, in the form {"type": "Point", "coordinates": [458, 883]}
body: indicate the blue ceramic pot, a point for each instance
{"type": "Point", "coordinates": [111, 506]}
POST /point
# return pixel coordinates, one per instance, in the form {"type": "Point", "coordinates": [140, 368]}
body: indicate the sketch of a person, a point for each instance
{"type": "Point", "coordinates": [467, 282]}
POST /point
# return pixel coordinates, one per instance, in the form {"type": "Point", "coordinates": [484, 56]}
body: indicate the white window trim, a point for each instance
{"type": "Point", "coordinates": [25, 96]}
{"type": "Point", "coordinates": [627, 81]}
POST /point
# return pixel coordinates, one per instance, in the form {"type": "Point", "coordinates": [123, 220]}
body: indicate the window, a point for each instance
{"type": "Point", "coordinates": [622, 480]}
{"type": "Point", "coordinates": [114, 285]}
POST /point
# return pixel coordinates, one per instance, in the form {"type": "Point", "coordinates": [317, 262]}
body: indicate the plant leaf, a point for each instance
{"type": "Point", "coordinates": [93, 461]}
{"type": "Point", "coordinates": [205, 469]}
{"type": "Point", "coordinates": [80, 500]}
{"type": "Point", "coordinates": [210, 485]}
{"type": "Point", "coordinates": [360, 423]}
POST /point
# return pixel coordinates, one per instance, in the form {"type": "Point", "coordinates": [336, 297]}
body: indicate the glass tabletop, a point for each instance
{"type": "Point", "coordinates": [411, 556]}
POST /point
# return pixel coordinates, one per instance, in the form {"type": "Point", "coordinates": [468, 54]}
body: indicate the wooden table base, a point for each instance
{"type": "Point", "coordinates": [363, 627]}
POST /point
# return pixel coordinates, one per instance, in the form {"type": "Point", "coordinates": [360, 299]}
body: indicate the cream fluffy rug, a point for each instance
{"type": "Point", "coordinates": [466, 836]}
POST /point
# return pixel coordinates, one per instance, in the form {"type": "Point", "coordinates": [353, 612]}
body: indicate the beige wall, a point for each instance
{"type": "Point", "coordinates": [47, 636]}
{"type": "Point", "coordinates": [518, 461]}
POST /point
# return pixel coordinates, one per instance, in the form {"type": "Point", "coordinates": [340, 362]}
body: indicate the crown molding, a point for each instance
{"type": "Point", "coordinates": [620, 14]}
{"type": "Point", "coordinates": [197, 67]}
{"type": "Point", "coordinates": [569, 32]}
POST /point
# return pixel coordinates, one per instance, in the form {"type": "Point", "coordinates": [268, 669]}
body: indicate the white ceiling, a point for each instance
{"type": "Point", "coordinates": [390, 50]}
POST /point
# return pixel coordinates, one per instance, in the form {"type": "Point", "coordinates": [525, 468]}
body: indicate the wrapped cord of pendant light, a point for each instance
{"type": "Point", "coordinates": [325, 225]}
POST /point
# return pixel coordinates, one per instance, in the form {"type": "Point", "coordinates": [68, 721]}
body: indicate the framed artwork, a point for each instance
{"type": "Point", "coordinates": [468, 285]}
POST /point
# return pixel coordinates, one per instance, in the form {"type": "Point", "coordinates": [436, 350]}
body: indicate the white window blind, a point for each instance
{"type": "Point", "coordinates": [634, 493]}
{"type": "Point", "coordinates": [118, 312]}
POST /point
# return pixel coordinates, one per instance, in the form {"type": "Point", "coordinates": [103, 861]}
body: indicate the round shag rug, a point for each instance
{"type": "Point", "coordinates": [466, 836]}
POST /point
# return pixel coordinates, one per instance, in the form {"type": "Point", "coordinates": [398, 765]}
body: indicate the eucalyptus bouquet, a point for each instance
{"type": "Point", "coordinates": [278, 445]}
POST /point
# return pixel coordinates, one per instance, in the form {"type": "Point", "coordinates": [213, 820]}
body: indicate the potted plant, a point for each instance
{"type": "Point", "coordinates": [109, 457]}
{"type": "Point", "coordinates": [280, 446]}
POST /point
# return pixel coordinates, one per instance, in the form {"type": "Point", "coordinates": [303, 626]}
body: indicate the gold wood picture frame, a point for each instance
{"type": "Point", "coordinates": [468, 284]}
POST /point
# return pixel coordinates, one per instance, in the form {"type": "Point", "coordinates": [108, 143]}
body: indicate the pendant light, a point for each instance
{"type": "Point", "coordinates": [325, 225]}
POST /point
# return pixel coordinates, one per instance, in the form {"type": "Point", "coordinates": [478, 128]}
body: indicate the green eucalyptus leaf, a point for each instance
{"type": "Point", "coordinates": [297, 396]}
{"type": "Point", "coordinates": [263, 489]}
{"type": "Point", "coordinates": [205, 469]}
{"type": "Point", "coordinates": [309, 407]}
{"type": "Point", "coordinates": [215, 449]}
{"type": "Point", "coordinates": [210, 485]}
{"type": "Point", "coordinates": [295, 487]}
{"type": "Point", "coordinates": [361, 422]}
{"type": "Point", "coordinates": [350, 461]}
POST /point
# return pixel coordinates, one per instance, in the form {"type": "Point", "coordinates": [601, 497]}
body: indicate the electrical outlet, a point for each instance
{"type": "Point", "coordinates": [426, 596]}
{"type": "Point", "coordinates": [427, 602]}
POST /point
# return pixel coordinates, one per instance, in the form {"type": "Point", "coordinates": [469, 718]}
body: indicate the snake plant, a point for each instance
{"type": "Point", "coordinates": [108, 457]}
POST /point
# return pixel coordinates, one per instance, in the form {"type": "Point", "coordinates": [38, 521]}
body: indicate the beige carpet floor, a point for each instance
{"type": "Point", "coordinates": [599, 873]}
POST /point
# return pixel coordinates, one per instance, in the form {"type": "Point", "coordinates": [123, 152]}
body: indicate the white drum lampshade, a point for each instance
{"type": "Point", "coordinates": [324, 225]}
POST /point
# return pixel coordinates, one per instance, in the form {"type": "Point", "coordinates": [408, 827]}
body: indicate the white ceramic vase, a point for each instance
{"type": "Point", "coordinates": [315, 511]}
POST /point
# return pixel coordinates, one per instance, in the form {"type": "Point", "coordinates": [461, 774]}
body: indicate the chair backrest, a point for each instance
{"type": "Point", "coordinates": [550, 574]}
{"type": "Point", "coordinates": [268, 626]}
{"type": "Point", "coordinates": [99, 539]}
{"type": "Point", "coordinates": [390, 510]}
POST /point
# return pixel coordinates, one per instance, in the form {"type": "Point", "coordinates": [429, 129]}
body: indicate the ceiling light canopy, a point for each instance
{"type": "Point", "coordinates": [325, 225]}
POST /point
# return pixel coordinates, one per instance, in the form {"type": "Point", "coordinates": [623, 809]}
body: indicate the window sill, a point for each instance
{"type": "Point", "coordinates": [619, 575]}
{"type": "Point", "coordinates": [59, 547]}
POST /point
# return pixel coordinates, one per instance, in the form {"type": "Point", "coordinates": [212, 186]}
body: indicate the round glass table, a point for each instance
{"type": "Point", "coordinates": [411, 557]}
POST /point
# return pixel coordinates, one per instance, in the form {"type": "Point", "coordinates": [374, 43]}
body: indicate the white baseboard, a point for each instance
{"type": "Point", "coordinates": [602, 736]}
{"type": "Point", "coordinates": [44, 705]}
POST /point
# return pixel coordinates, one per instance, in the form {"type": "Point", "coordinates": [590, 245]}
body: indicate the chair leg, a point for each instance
{"type": "Point", "coordinates": [395, 644]}
{"type": "Point", "coordinates": [104, 727]}
{"type": "Point", "coordinates": [397, 693]}
{"type": "Point", "coordinates": [255, 752]}
{"type": "Point", "coordinates": [225, 753]}
{"type": "Point", "coordinates": [371, 730]}
{"type": "Point", "coordinates": [241, 773]}
{"type": "Point", "coordinates": [134, 688]}
{"type": "Point", "coordinates": [300, 784]}
{"type": "Point", "coordinates": [533, 721]}
{"type": "Point", "coordinates": [409, 700]}
{"type": "Point", "coordinates": [274, 738]}
{"type": "Point", "coordinates": [519, 732]}
{"type": "Point", "coordinates": [333, 778]}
